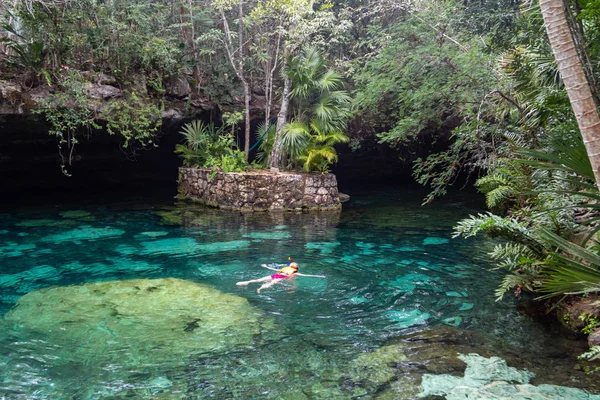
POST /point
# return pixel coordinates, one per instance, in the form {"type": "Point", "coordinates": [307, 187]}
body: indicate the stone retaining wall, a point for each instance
{"type": "Point", "coordinates": [260, 190]}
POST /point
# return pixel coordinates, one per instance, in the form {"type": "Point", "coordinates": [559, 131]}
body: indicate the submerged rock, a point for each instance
{"type": "Point", "coordinates": [491, 378]}
{"type": "Point", "coordinates": [323, 247]}
{"type": "Point", "coordinates": [75, 214]}
{"type": "Point", "coordinates": [268, 235]}
{"type": "Point", "coordinates": [409, 282]}
{"type": "Point", "coordinates": [408, 318]}
{"type": "Point", "coordinates": [188, 246]}
{"type": "Point", "coordinates": [13, 249]}
{"type": "Point", "coordinates": [137, 321]}
{"type": "Point", "coordinates": [435, 240]}
{"type": "Point", "coordinates": [36, 223]}
{"type": "Point", "coordinates": [84, 233]}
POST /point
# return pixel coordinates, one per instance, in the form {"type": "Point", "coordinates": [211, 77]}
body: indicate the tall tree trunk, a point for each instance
{"type": "Point", "coordinates": [238, 67]}
{"type": "Point", "coordinates": [275, 159]}
{"type": "Point", "coordinates": [186, 18]}
{"type": "Point", "coordinates": [269, 72]}
{"type": "Point", "coordinates": [574, 77]}
{"type": "Point", "coordinates": [247, 117]}
{"type": "Point", "coordinates": [242, 77]}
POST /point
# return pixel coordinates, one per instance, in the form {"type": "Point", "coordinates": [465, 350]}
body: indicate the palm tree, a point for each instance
{"type": "Point", "coordinates": [573, 75]}
{"type": "Point", "coordinates": [320, 108]}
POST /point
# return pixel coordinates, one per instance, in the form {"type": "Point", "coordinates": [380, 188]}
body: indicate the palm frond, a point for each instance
{"type": "Point", "coordinates": [329, 81]}
{"type": "Point", "coordinates": [295, 138]}
{"type": "Point", "coordinates": [569, 155]}
{"type": "Point", "coordinates": [573, 270]}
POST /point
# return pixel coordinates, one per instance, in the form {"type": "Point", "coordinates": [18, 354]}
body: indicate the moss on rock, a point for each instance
{"type": "Point", "coordinates": [150, 320]}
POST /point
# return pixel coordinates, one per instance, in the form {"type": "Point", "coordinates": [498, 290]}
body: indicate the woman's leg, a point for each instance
{"type": "Point", "coordinates": [269, 284]}
{"type": "Point", "coordinates": [263, 279]}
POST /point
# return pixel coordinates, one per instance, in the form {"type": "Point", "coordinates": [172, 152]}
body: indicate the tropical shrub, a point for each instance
{"type": "Point", "coordinates": [136, 119]}
{"type": "Point", "coordinates": [69, 115]}
{"type": "Point", "coordinates": [538, 254]}
{"type": "Point", "coordinates": [320, 109]}
{"type": "Point", "coordinates": [26, 53]}
{"type": "Point", "coordinates": [265, 135]}
{"type": "Point", "coordinates": [209, 147]}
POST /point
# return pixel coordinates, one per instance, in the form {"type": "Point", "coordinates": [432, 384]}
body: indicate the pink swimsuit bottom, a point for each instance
{"type": "Point", "coordinates": [279, 276]}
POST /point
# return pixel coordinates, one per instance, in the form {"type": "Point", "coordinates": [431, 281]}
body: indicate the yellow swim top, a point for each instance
{"type": "Point", "coordinates": [291, 270]}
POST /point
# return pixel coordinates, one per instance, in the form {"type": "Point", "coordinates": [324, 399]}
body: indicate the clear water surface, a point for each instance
{"type": "Point", "coordinates": [394, 275]}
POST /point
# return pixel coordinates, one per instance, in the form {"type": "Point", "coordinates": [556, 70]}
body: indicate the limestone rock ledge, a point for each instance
{"type": "Point", "coordinates": [260, 190]}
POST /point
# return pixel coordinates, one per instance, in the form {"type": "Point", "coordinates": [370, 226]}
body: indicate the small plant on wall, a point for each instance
{"type": "Point", "coordinates": [206, 146]}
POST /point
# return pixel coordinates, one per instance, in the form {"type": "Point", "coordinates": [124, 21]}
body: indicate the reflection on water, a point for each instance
{"type": "Point", "coordinates": [401, 299]}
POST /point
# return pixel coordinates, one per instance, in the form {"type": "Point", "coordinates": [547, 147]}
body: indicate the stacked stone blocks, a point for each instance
{"type": "Point", "coordinates": [260, 190]}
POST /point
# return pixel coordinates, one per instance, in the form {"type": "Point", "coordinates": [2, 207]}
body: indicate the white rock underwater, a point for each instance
{"type": "Point", "coordinates": [491, 378]}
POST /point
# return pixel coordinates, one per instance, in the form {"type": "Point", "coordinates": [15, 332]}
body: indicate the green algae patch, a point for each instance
{"type": "Point", "coordinates": [174, 217]}
{"type": "Point", "coordinates": [75, 214]}
{"type": "Point", "coordinates": [491, 378]}
{"type": "Point", "coordinates": [151, 320]}
{"type": "Point", "coordinates": [84, 233]}
{"type": "Point", "coordinates": [435, 240]}
{"type": "Point", "coordinates": [375, 366]}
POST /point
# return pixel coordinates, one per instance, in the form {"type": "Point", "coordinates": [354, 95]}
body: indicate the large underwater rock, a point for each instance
{"type": "Point", "coordinates": [138, 321]}
{"type": "Point", "coordinates": [491, 378]}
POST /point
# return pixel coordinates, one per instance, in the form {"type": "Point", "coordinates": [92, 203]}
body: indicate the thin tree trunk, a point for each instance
{"type": "Point", "coordinates": [275, 160]}
{"type": "Point", "coordinates": [188, 34]}
{"type": "Point", "coordinates": [3, 48]}
{"type": "Point", "coordinates": [269, 82]}
{"type": "Point", "coordinates": [238, 68]}
{"type": "Point", "coordinates": [574, 78]}
{"type": "Point", "coordinates": [243, 79]}
{"type": "Point", "coordinates": [247, 117]}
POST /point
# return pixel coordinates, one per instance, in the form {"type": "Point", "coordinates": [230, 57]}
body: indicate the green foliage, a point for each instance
{"type": "Point", "coordinates": [571, 269]}
{"type": "Point", "coordinates": [295, 139]}
{"type": "Point", "coordinates": [68, 114]}
{"type": "Point", "coordinates": [134, 118]}
{"type": "Point", "coordinates": [234, 161]}
{"type": "Point", "coordinates": [209, 147]}
{"type": "Point", "coordinates": [537, 260]}
{"type": "Point", "coordinates": [591, 323]}
{"type": "Point", "coordinates": [265, 135]}
{"type": "Point", "coordinates": [499, 187]}
{"type": "Point", "coordinates": [26, 53]}
{"type": "Point", "coordinates": [320, 108]}
{"type": "Point", "coordinates": [420, 80]}
{"type": "Point", "coordinates": [593, 354]}
{"type": "Point", "coordinates": [319, 152]}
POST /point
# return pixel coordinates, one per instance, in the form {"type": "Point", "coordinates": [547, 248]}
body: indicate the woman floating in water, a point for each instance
{"type": "Point", "coordinates": [282, 274]}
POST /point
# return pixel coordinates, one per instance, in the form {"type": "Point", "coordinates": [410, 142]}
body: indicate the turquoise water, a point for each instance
{"type": "Point", "coordinates": [394, 276]}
